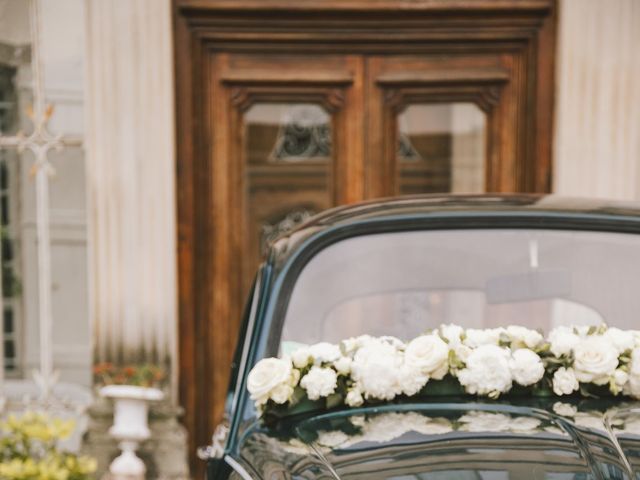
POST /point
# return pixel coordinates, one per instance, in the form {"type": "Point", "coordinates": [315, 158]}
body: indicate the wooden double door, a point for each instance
{"type": "Point", "coordinates": [302, 133]}
{"type": "Point", "coordinates": [283, 113]}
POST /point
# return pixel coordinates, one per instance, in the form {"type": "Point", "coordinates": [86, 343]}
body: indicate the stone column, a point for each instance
{"type": "Point", "coordinates": [131, 209]}
{"type": "Point", "coordinates": [597, 141]}
{"type": "Point", "coordinates": [130, 180]}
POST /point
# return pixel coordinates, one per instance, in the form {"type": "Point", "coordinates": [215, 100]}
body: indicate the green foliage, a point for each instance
{"type": "Point", "coordinates": [29, 450]}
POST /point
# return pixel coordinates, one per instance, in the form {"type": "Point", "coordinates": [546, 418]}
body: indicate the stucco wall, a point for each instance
{"type": "Point", "coordinates": [597, 140]}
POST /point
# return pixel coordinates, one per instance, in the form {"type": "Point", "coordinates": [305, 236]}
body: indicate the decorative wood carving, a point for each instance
{"type": "Point", "coordinates": [243, 97]}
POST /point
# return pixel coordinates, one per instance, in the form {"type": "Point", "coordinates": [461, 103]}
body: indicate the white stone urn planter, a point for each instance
{"type": "Point", "coordinates": [130, 425]}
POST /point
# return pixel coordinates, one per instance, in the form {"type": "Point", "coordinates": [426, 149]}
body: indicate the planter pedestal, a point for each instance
{"type": "Point", "coordinates": [130, 425]}
{"type": "Point", "coordinates": [128, 463]}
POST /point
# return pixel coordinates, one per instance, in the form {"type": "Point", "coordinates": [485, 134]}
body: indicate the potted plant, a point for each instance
{"type": "Point", "coordinates": [131, 388]}
{"type": "Point", "coordinates": [29, 449]}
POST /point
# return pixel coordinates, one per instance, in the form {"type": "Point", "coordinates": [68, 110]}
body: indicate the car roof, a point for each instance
{"type": "Point", "coordinates": [488, 202]}
{"type": "Point", "coordinates": [421, 206]}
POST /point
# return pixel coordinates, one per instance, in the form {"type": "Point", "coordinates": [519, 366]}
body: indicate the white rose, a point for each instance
{"type": "Point", "coordinates": [282, 393]}
{"type": "Point", "coordinates": [562, 340]}
{"type": "Point", "coordinates": [349, 345]}
{"type": "Point", "coordinates": [565, 381]}
{"type": "Point", "coordinates": [393, 341]}
{"type": "Point", "coordinates": [476, 337]}
{"type": "Point", "coordinates": [620, 339]}
{"type": "Point", "coordinates": [378, 380]}
{"type": "Point", "coordinates": [525, 336]}
{"type": "Point", "coordinates": [463, 352]}
{"type": "Point", "coordinates": [487, 371]}
{"type": "Point", "coordinates": [411, 380]}
{"type": "Point", "coordinates": [526, 367]}
{"type": "Point", "coordinates": [267, 375]}
{"type": "Point", "coordinates": [619, 381]}
{"type": "Point", "coordinates": [301, 357]}
{"type": "Point", "coordinates": [595, 360]}
{"type": "Point", "coordinates": [343, 365]}
{"type": "Point", "coordinates": [452, 334]}
{"type": "Point", "coordinates": [564, 409]}
{"type": "Point", "coordinates": [428, 354]}
{"type": "Point", "coordinates": [319, 382]}
{"type": "Point", "coordinates": [354, 398]}
{"type": "Point", "coordinates": [633, 386]}
{"type": "Point", "coordinates": [352, 344]}
{"type": "Point", "coordinates": [375, 369]}
{"type": "Point", "coordinates": [620, 377]}
{"type": "Point", "coordinates": [582, 330]}
{"type": "Point", "coordinates": [634, 369]}
{"type": "Point", "coordinates": [324, 352]}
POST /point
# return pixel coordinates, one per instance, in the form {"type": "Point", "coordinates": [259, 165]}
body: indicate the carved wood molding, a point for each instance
{"type": "Point", "coordinates": [479, 86]}
{"type": "Point", "coordinates": [444, 77]}
{"type": "Point", "coordinates": [486, 97]}
{"type": "Point", "coordinates": [419, 6]}
{"type": "Point", "coordinates": [284, 78]}
{"type": "Point", "coordinates": [244, 97]}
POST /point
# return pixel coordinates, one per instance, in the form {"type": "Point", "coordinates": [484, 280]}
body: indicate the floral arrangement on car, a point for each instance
{"type": "Point", "coordinates": [145, 375]}
{"type": "Point", "coordinates": [30, 449]}
{"type": "Point", "coordinates": [580, 360]}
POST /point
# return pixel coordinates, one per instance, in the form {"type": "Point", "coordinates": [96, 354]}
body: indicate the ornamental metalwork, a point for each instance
{"type": "Point", "coordinates": [406, 151]}
{"type": "Point", "coordinates": [304, 133]}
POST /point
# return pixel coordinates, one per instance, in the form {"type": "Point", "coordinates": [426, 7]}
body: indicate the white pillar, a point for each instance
{"type": "Point", "coordinates": [597, 141]}
{"type": "Point", "coordinates": [130, 180]}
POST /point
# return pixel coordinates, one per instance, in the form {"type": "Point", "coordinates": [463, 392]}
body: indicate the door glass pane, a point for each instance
{"type": "Point", "coordinates": [441, 148]}
{"type": "Point", "coordinates": [289, 158]}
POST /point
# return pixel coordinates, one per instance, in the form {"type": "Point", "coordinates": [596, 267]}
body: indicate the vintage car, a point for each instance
{"type": "Point", "coordinates": [399, 269]}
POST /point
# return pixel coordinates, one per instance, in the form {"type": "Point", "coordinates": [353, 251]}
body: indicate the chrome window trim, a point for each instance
{"type": "Point", "coordinates": [239, 469]}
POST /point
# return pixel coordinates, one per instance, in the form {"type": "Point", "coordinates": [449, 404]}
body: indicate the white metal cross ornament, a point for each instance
{"type": "Point", "coordinates": [40, 142]}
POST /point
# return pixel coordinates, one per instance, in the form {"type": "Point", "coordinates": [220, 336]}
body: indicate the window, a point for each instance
{"type": "Point", "coordinates": [9, 228]}
{"type": "Point", "coordinates": [441, 148]}
{"type": "Point", "coordinates": [34, 108]}
{"type": "Point", "coordinates": [403, 284]}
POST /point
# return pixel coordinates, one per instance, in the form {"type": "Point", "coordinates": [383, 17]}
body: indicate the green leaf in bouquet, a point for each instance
{"type": "Point", "coordinates": [335, 400]}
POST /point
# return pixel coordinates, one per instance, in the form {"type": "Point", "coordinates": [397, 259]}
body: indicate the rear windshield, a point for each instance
{"type": "Point", "coordinates": [404, 283]}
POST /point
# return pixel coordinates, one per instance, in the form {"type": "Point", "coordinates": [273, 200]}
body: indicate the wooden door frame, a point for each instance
{"type": "Point", "coordinates": [527, 27]}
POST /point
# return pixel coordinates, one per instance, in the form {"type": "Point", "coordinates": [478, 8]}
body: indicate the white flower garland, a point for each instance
{"type": "Point", "coordinates": [485, 362]}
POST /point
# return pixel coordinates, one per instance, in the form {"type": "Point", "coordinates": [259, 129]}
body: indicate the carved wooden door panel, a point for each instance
{"type": "Point", "coordinates": [288, 144]}
{"type": "Point", "coordinates": [446, 124]}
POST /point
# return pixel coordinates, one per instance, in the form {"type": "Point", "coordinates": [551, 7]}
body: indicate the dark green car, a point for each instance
{"type": "Point", "coordinates": [401, 266]}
